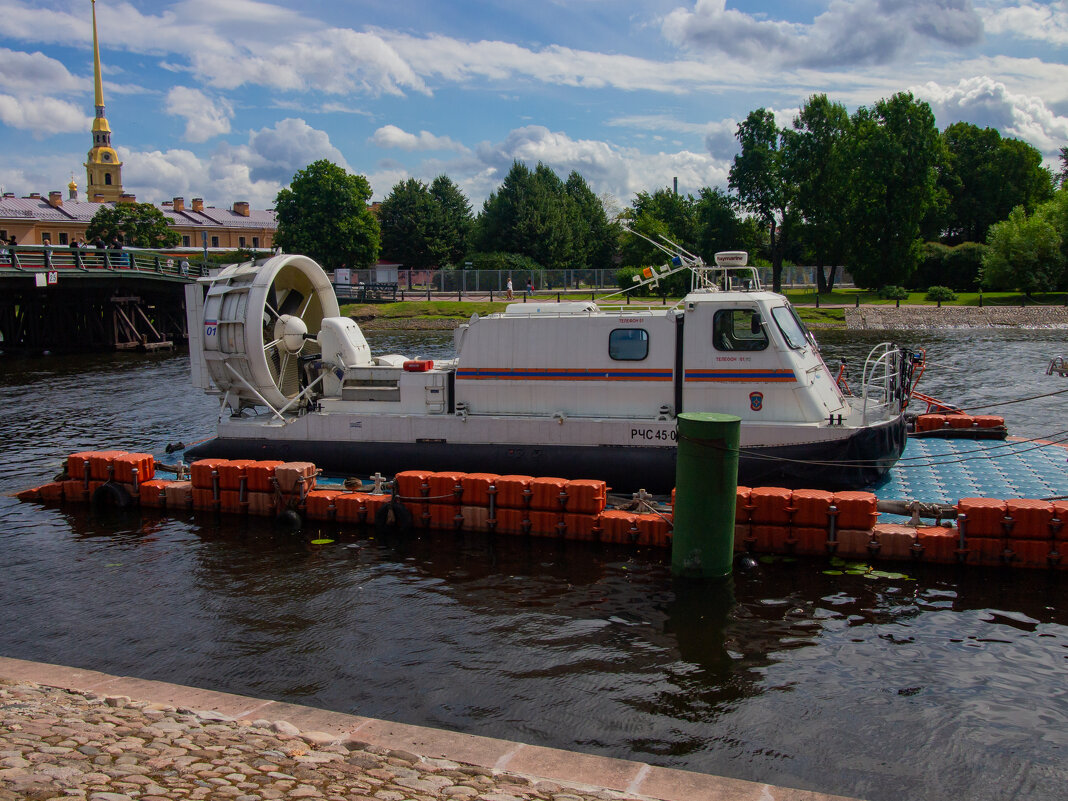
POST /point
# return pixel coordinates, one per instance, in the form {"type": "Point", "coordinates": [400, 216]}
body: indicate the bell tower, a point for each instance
{"type": "Point", "coordinates": [102, 167]}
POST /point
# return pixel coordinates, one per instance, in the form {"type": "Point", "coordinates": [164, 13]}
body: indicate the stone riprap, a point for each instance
{"type": "Point", "coordinates": [61, 741]}
{"type": "Point", "coordinates": [60, 744]}
{"type": "Point", "coordinates": [891, 317]}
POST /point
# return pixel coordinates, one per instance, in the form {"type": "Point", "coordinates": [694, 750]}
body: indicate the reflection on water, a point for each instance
{"type": "Point", "coordinates": [945, 686]}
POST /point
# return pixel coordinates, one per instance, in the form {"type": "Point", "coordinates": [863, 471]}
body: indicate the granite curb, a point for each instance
{"type": "Point", "coordinates": [431, 763]}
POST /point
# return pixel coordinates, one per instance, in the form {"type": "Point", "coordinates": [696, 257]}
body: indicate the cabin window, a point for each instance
{"type": "Point", "coordinates": [738, 329]}
{"type": "Point", "coordinates": [185, 241]}
{"type": "Point", "coordinates": [215, 241]}
{"type": "Point", "coordinates": [628, 344]}
{"type": "Point", "coordinates": [62, 238]}
{"type": "Point", "coordinates": [792, 328]}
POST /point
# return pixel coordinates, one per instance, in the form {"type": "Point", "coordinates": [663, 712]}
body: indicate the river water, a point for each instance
{"type": "Point", "coordinates": [948, 685]}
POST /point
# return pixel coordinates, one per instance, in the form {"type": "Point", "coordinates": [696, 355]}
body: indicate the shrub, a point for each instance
{"type": "Point", "coordinates": [941, 293]}
{"type": "Point", "coordinates": [891, 292]}
{"type": "Point", "coordinates": [956, 267]}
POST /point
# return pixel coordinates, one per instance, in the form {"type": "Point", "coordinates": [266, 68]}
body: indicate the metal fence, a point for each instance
{"type": "Point", "coordinates": [30, 257]}
{"type": "Point", "coordinates": [485, 281]}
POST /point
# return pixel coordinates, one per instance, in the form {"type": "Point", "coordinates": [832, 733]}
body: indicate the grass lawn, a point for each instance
{"type": "Point", "coordinates": [420, 310]}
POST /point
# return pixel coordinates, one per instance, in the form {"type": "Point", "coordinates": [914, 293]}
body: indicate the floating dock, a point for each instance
{"type": "Point", "coordinates": [1001, 504]}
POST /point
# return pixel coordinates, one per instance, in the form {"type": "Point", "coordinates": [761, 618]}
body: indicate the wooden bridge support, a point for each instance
{"type": "Point", "coordinates": [77, 317]}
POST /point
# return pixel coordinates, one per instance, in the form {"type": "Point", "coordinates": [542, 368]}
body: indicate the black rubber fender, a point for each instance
{"type": "Point", "coordinates": [289, 520]}
{"type": "Point", "coordinates": [112, 494]}
{"type": "Point", "coordinates": [393, 515]}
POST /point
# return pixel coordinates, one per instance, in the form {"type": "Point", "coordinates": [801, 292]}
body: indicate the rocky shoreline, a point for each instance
{"type": "Point", "coordinates": [890, 317]}
{"type": "Point", "coordinates": [58, 745]}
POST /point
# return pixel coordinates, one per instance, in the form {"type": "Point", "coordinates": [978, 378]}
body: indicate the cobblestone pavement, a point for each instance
{"type": "Point", "coordinates": [58, 745]}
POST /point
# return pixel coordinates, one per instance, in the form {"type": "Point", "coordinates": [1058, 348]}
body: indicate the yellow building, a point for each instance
{"type": "Point", "coordinates": [32, 219]}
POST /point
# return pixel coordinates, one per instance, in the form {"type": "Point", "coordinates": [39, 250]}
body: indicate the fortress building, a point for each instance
{"type": "Point", "coordinates": [33, 218]}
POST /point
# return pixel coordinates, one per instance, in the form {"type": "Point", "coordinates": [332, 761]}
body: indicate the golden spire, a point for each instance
{"type": "Point", "coordinates": [96, 69]}
{"type": "Point", "coordinates": [102, 167]}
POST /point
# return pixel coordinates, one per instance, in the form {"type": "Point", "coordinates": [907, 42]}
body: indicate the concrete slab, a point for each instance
{"type": "Point", "coordinates": [67, 678]}
{"type": "Point", "coordinates": [553, 763]}
{"type": "Point", "coordinates": [485, 752]}
{"type": "Point", "coordinates": [682, 785]}
{"type": "Point", "coordinates": [160, 692]}
{"type": "Point", "coordinates": [307, 718]}
{"type": "Point", "coordinates": [535, 762]}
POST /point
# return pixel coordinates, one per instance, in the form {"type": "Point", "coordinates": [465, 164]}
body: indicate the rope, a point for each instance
{"type": "Point", "coordinates": [426, 497]}
{"type": "Point", "coordinates": [1018, 400]}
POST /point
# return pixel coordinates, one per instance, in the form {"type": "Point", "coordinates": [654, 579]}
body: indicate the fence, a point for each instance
{"type": "Point", "coordinates": [24, 257]}
{"type": "Point", "coordinates": [485, 281]}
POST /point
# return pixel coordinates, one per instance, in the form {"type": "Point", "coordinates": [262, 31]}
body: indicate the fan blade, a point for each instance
{"type": "Point", "coordinates": [291, 303]}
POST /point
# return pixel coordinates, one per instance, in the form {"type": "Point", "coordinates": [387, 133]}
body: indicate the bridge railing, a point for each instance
{"type": "Point", "coordinates": [31, 257]}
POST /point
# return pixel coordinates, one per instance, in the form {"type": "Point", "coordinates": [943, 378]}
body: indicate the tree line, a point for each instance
{"type": "Point", "coordinates": [882, 192]}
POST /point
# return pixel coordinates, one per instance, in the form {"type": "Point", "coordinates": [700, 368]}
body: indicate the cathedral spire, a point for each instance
{"type": "Point", "coordinates": [102, 167]}
{"type": "Point", "coordinates": [99, 84]}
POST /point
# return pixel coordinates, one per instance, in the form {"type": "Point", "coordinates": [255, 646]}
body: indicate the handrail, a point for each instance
{"type": "Point", "coordinates": [56, 257]}
{"type": "Point", "coordinates": [888, 360]}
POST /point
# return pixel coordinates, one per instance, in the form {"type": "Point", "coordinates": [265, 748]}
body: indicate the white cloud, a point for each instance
{"type": "Point", "coordinates": [457, 61]}
{"type": "Point", "coordinates": [275, 154]}
{"type": "Point", "coordinates": [228, 45]}
{"type": "Point", "coordinates": [1026, 19]}
{"type": "Point", "coordinates": [848, 33]}
{"type": "Point", "coordinates": [22, 72]}
{"type": "Point", "coordinates": [986, 102]}
{"type": "Point", "coordinates": [42, 115]}
{"type": "Point", "coordinates": [253, 171]}
{"type": "Point", "coordinates": [205, 117]}
{"type": "Point", "coordinates": [606, 167]}
{"type": "Point", "coordinates": [392, 136]}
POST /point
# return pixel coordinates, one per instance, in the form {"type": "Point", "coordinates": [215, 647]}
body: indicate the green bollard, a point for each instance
{"type": "Point", "coordinates": [706, 486]}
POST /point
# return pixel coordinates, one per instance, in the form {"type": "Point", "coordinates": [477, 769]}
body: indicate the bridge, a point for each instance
{"type": "Point", "coordinates": [66, 299]}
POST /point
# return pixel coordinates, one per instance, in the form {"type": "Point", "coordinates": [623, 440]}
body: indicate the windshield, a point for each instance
{"type": "Point", "coordinates": [792, 328]}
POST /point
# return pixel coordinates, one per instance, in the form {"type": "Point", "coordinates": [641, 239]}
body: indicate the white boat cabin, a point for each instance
{"type": "Point", "coordinates": [737, 352]}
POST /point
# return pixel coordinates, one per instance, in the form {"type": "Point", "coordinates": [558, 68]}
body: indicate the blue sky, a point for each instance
{"type": "Point", "coordinates": [226, 99]}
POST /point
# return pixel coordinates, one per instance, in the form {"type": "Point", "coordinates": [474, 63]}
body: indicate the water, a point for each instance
{"type": "Point", "coordinates": [946, 686]}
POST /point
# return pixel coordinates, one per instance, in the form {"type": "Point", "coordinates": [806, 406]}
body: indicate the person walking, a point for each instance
{"type": "Point", "coordinates": [508, 288]}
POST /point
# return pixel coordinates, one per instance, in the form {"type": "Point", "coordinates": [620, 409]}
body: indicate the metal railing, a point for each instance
{"type": "Point", "coordinates": [33, 258]}
{"type": "Point", "coordinates": [485, 281]}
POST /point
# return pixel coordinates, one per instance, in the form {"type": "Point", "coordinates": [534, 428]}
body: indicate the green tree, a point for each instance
{"type": "Point", "coordinates": [535, 214]}
{"type": "Point", "coordinates": [1024, 252]}
{"type": "Point", "coordinates": [985, 177]}
{"type": "Point", "coordinates": [408, 221]}
{"type": "Point", "coordinates": [814, 162]}
{"type": "Point", "coordinates": [718, 227]}
{"type": "Point", "coordinates": [660, 215]}
{"type": "Point", "coordinates": [1062, 176]}
{"type": "Point", "coordinates": [594, 236]}
{"type": "Point", "coordinates": [140, 225]}
{"type": "Point", "coordinates": [454, 221]}
{"type": "Point", "coordinates": [324, 215]}
{"type": "Point", "coordinates": [893, 154]}
{"type": "Point", "coordinates": [758, 177]}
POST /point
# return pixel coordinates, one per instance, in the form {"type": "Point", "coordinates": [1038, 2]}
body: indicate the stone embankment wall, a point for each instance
{"type": "Point", "coordinates": [913, 317]}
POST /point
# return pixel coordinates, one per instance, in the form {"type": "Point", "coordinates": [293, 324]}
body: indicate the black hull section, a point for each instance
{"type": "Point", "coordinates": [821, 465]}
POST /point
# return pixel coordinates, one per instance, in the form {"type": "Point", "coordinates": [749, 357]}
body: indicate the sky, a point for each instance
{"type": "Point", "coordinates": [227, 99]}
